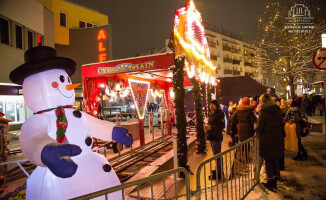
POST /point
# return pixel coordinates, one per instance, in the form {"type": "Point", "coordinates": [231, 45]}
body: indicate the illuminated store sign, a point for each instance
{"type": "Point", "coordinates": [101, 38]}
{"type": "Point", "coordinates": [126, 67]}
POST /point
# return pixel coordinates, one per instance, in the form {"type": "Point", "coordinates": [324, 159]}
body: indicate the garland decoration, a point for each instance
{"type": "Point", "coordinates": [198, 98]}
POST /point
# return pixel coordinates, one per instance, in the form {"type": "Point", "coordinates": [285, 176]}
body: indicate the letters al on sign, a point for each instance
{"type": "Point", "coordinates": [126, 67]}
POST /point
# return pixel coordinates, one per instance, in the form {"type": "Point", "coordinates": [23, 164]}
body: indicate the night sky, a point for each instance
{"type": "Point", "coordinates": [141, 25]}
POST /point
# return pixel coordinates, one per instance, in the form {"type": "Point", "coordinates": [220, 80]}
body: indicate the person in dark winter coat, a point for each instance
{"type": "Point", "coordinates": [216, 124]}
{"type": "Point", "coordinates": [245, 117]}
{"type": "Point", "coordinates": [269, 130]}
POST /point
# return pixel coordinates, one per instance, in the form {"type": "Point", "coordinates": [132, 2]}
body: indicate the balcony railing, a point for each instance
{"type": "Point", "coordinates": [236, 72]}
{"type": "Point", "coordinates": [247, 64]}
{"type": "Point", "coordinates": [211, 44]}
{"type": "Point", "coordinates": [227, 60]}
{"type": "Point", "coordinates": [226, 48]}
{"type": "Point", "coordinates": [237, 62]}
{"type": "Point", "coordinates": [227, 71]}
{"type": "Point", "coordinates": [234, 50]}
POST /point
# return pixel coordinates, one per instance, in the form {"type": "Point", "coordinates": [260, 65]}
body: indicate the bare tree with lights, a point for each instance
{"type": "Point", "coordinates": [287, 56]}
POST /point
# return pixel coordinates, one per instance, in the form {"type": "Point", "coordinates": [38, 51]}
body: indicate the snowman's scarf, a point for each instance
{"type": "Point", "coordinates": [62, 123]}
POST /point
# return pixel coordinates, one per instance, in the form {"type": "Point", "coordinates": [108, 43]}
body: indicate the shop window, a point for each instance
{"type": "Point", "coordinates": [1, 106]}
{"type": "Point", "coordinates": [63, 19]}
{"type": "Point", "coordinates": [10, 110]}
{"type": "Point", "coordinates": [30, 39]}
{"type": "Point", "coordinates": [4, 31]}
{"type": "Point", "coordinates": [19, 37]}
{"type": "Point", "coordinates": [82, 24]}
{"type": "Point", "coordinates": [13, 107]}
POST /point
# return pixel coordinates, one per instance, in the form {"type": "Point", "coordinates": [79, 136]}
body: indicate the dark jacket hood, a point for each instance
{"type": "Point", "coordinates": [269, 106]}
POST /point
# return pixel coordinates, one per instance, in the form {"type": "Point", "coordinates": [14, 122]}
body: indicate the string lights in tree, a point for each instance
{"type": "Point", "coordinates": [287, 55]}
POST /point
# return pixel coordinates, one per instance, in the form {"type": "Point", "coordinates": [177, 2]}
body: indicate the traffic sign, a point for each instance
{"type": "Point", "coordinates": [319, 59]}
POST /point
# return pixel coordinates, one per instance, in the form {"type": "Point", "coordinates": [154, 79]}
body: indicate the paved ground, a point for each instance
{"type": "Point", "coordinates": [299, 180]}
{"type": "Point", "coordinates": [302, 179]}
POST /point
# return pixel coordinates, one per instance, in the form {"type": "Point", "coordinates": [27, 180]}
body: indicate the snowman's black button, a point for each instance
{"type": "Point", "coordinates": [77, 113]}
{"type": "Point", "coordinates": [107, 168]}
{"type": "Point", "coordinates": [88, 141]}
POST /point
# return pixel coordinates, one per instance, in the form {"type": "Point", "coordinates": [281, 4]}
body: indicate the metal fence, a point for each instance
{"type": "Point", "coordinates": [236, 177]}
{"type": "Point", "coordinates": [239, 174]}
{"type": "Point", "coordinates": [151, 187]}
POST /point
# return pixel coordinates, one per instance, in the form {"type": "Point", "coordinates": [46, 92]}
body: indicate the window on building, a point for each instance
{"type": "Point", "coordinates": [89, 25]}
{"type": "Point", "coordinates": [4, 31]}
{"type": "Point", "coordinates": [30, 39]}
{"type": "Point", "coordinates": [19, 37]}
{"type": "Point", "coordinates": [82, 24]}
{"type": "Point", "coordinates": [63, 19]}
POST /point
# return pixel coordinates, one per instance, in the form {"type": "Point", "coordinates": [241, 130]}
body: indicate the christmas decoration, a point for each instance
{"type": "Point", "coordinates": [63, 171]}
{"type": "Point", "coordinates": [198, 97]}
{"type": "Point", "coordinates": [287, 56]}
{"type": "Point", "coordinates": [181, 123]}
{"type": "Point", "coordinates": [188, 37]}
{"type": "Point", "coordinates": [139, 92]}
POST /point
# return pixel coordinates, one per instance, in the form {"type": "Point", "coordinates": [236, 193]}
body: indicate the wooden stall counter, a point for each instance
{"type": "Point", "coordinates": [133, 127]}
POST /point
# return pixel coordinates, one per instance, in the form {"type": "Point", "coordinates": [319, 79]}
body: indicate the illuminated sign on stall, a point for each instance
{"type": "Point", "coordinates": [101, 38]}
{"type": "Point", "coordinates": [126, 67]}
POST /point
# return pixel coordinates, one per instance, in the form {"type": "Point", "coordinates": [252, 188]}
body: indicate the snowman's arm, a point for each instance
{"type": "Point", "coordinates": [34, 137]}
{"type": "Point", "coordinates": [100, 129]}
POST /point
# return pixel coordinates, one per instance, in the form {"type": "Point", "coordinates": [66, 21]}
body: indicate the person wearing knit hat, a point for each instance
{"type": "Point", "coordinates": [3, 148]}
{"type": "Point", "coordinates": [245, 101]}
{"type": "Point", "coordinates": [216, 124]}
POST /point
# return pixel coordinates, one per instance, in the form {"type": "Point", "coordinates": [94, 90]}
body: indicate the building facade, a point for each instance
{"type": "Point", "coordinates": [21, 30]}
{"type": "Point", "coordinates": [233, 57]}
{"type": "Point", "coordinates": [80, 33]}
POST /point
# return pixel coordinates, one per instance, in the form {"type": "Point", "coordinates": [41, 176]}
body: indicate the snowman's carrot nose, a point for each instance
{"type": "Point", "coordinates": [72, 86]}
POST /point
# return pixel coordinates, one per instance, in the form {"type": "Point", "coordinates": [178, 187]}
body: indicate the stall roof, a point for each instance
{"type": "Point", "coordinates": [234, 88]}
{"type": "Point", "coordinates": [150, 67]}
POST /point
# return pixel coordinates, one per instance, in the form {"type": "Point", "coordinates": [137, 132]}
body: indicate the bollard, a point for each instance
{"type": "Point", "coordinates": [162, 127]}
{"type": "Point", "coordinates": [151, 126]}
{"type": "Point", "coordinates": [118, 144]}
{"type": "Point", "coordinates": [175, 152]}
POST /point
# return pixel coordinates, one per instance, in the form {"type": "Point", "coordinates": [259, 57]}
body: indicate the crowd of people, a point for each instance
{"type": "Point", "coordinates": [279, 124]}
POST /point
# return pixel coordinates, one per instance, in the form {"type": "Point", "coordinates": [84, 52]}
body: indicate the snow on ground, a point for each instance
{"type": "Point", "coordinates": [301, 179]}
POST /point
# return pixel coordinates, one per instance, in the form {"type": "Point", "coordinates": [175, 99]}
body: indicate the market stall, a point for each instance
{"type": "Point", "coordinates": [131, 87]}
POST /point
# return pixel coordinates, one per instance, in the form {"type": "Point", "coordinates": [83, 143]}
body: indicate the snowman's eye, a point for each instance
{"type": "Point", "coordinates": [62, 78]}
{"type": "Point", "coordinates": [69, 81]}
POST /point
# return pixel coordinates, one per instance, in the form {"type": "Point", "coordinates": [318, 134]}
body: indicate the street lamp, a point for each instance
{"type": "Point", "coordinates": [289, 92]}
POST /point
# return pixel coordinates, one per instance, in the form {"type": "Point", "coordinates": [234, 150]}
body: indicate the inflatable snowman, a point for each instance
{"type": "Point", "coordinates": [57, 138]}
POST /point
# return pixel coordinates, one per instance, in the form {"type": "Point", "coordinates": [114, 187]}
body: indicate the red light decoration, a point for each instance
{"type": "Point", "coordinates": [101, 38]}
{"type": "Point", "coordinates": [188, 37]}
{"type": "Point", "coordinates": [39, 39]}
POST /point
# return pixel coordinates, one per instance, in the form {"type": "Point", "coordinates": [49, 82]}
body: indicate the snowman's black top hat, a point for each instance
{"type": "Point", "coordinates": [39, 59]}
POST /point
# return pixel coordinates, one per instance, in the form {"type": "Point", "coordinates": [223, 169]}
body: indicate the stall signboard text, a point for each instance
{"type": "Point", "coordinates": [126, 67]}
